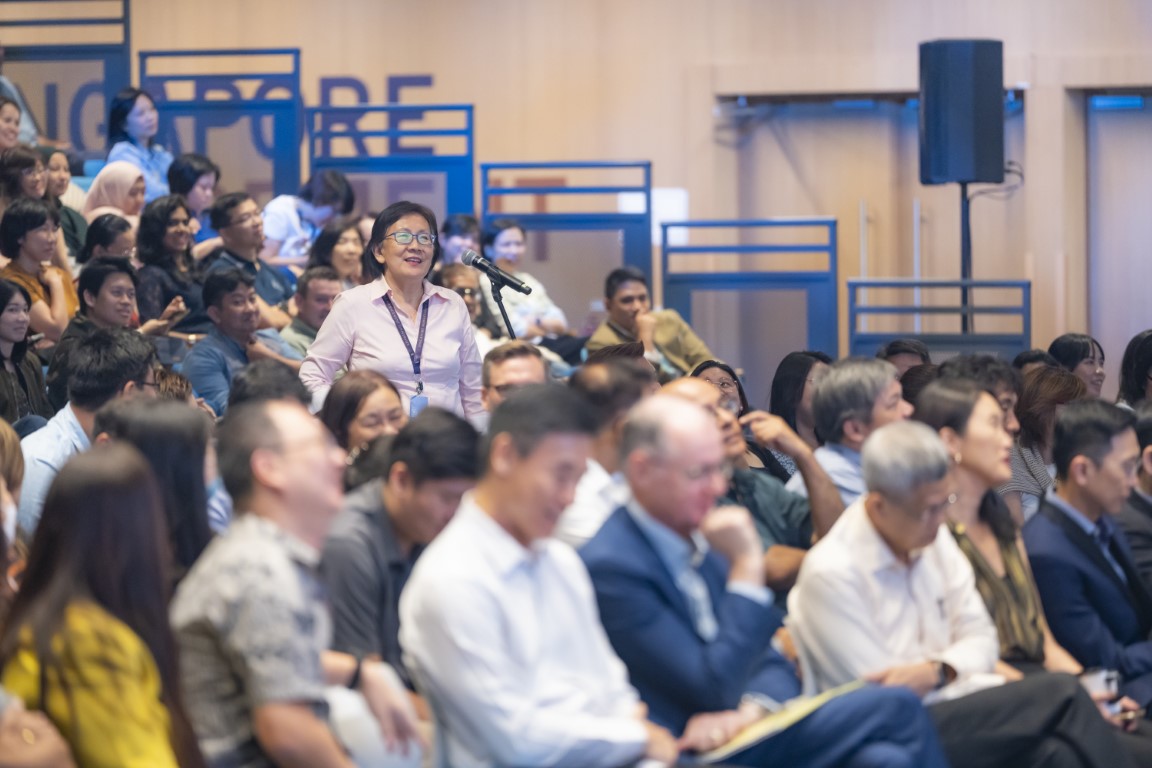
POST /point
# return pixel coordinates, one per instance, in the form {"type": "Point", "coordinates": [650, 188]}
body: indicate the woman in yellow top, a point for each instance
{"type": "Point", "coordinates": [87, 638]}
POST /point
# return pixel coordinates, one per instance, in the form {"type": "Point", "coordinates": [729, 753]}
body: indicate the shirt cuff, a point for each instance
{"type": "Point", "coordinates": [761, 595]}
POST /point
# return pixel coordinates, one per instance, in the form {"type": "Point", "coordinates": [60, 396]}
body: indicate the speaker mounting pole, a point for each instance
{"type": "Point", "coordinates": [965, 257]}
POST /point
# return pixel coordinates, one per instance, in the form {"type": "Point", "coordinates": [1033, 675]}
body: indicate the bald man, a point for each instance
{"type": "Point", "coordinates": [787, 522]}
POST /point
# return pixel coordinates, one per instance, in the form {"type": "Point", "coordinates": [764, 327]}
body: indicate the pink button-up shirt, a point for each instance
{"type": "Point", "coordinates": [360, 334]}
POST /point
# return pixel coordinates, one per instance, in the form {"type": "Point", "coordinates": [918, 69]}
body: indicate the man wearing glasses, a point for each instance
{"type": "Point", "coordinates": [887, 596]}
{"type": "Point", "coordinates": [680, 588]}
{"type": "Point", "coordinates": [465, 282]}
{"type": "Point", "coordinates": [241, 226]}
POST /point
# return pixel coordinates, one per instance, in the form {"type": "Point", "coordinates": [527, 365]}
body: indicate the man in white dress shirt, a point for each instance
{"type": "Point", "coordinates": [611, 388]}
{"type": "Point", "coordinates": [498, 621]}
{"type": "Point", "coordinates": [888, 596]}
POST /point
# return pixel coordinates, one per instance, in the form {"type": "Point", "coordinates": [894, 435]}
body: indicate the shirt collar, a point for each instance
{"type": "Point", "coordinates": [870, 548]}
{"type": "Point", "coordinates": [848, 454]}
{"type": "Point", "coordinates": [72, 424]}
{"type": "Point", "coordinates": [263, 528]}
{"type": "Point", "coordinates": [1071, 512]}
{"type": "Point", "coordinates": [303, 328]}
{"type": "Point", "coordinates": [368, 499]}
{"type": "Point", "coordinates": [677, 553]}
{"type": "Point", "coordinates": [215, 333]}
{"type": "Point", "coordinates": [505, 553]}
{"type": "Point", "coordinates": [383, 289]}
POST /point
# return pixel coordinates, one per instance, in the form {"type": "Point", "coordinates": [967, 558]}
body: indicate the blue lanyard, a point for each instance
{"type": "Point", "coordinates": [413, 354]}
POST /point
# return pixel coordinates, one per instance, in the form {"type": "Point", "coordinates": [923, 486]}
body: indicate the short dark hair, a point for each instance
{"type": "Point", "coordinates": [104, 363]}
{"type": "Point", "coordinates": [1032, 356]}
{"type": "Point", "coordinates": [103, 232]}
{"type": "Point", "coordinates": [329, 187]}
{"type": "Point", "coordinates": [311, 275]}
{"type": "Point", "coordinates": [704, 366]}
{"type": "Point", "coordinates": [389, 216]}
{"type": "Point", "coordinates": [97, 271]}
{"type": "Point", "coordinates": [1144, 425]}
{"type": "Point", "coordinates": [23, 215]}
{"type": "Point", "coordinates": [610, 388]}
{"type": "Point", "coordinates": [245, 429]}
{"type": "Point", "coordinates": [905, 347]}
{"type": "Point", "coordinates": [1072, 348]}
{"type": "Point", "coordinates": [916, 378]}
{"type": "Point", "coordinates": [221, 282]}
{"type": "Point", "coordinates": [788, 383]}
{"type": "Point", "coordinates": [187, 169]}
{"type": "Point", "coordinates": [618, 277]}
{"type": "Point", "coordinates": [493, 229]}
{"type": "Point", "coordinates": [13, 162]}
{"type": "Point", "coordinates": [629, 350]}
{"type": "Point", "coordinates": [8, 291]}
{"type": "Point", "coordinates": [267, 380]}
{"type": "Point", "coordinates": [346, 397]}
{"type": "Point", "coordinates": [989, 371]}
{"type": "Point", "coordinates": [948, 404]}
{"type": "Point", "coordinates": [459, 224]}
{"type": "Point", "coordinates": [1086, 428]}
{"type": "Point", "coordinates": [122, 104]}
{"type": "Point", "coordinates": [220, 214]}
{"type": "Point", "coordinates": [534, 412]}
{"type": "Point", "coordinates": [368, 462]}
{"type": "Point", "coordinates": [320, 255]}
{"type": "Point", "coordinates": [154, 226]}
{"type": "Point", "coordinates": [509, 350]}
{"type": "Point", "coordinates": [1135, 368]}
{"type": "Point", "coordinates": [437, 445]}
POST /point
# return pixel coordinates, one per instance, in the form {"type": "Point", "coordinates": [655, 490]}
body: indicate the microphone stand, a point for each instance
{"type": "Point", "coordinates": [497, 285]}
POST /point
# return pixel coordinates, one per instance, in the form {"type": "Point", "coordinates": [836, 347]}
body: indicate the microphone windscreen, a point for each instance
{"type": "Point", "coordinates": [469, 257]}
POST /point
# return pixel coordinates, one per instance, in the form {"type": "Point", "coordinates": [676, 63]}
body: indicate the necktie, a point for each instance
{"type": "Point", "coordinates": [694, 587]}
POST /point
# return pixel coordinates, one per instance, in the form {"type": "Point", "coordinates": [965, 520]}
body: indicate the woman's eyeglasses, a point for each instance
{"type": "Point", "coordinates": [466, 292]}
{"type": "Point", "coordinates": [406, 238]}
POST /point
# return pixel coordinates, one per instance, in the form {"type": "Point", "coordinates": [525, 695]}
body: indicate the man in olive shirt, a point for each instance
{"type": "Point", "coordinates": [670, 344]}
{"type": "Point", "coordinates": [385, 525]}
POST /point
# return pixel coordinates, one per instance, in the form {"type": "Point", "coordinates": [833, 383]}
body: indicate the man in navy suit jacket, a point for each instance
{"type": "Point", "coordinates": [1092, 592]}
{"type": "Point", "coordinates": [680, 591]}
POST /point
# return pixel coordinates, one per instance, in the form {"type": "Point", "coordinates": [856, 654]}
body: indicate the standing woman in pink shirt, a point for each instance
{"type": "Point", "coordinates": [418, 335]}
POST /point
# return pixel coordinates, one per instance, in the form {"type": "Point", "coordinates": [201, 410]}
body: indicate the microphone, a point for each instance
{"type": "Point", "coordinates": [497, 275]}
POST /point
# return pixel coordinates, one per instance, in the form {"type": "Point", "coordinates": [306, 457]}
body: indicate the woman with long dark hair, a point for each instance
{"type": "Point", "coordinates": [174, 438]}
{"type": "Point", "coordinates": [791, 397]}
{"type": "Point", "coordinates": [22, 393]}
{"type": "Point", "coordinates": [164, 248]}
{"type": "Point", "coordinates": [1136, 371]}
{"type": "Point", "coordinates": [87, 639]}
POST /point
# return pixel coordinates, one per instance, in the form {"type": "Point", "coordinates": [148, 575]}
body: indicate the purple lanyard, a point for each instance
{"type": "Point", "coordinates": [413, 354]}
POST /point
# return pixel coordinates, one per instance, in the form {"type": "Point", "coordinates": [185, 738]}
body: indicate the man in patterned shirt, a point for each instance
{"type": "Point", "coordinates": [251, 617]}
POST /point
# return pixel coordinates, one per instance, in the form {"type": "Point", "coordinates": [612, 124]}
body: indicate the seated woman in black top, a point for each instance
{"type": "Point", "coordinates": [163, 245]}
{"type": "Point", "coordinates": [22, 394]}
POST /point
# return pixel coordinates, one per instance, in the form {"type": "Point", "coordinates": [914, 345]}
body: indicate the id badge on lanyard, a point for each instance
{"type": "Point", "coordinates": [419, 401]}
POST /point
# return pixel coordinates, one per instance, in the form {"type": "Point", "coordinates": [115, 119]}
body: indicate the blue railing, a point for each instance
{"type": "Point", "coordinates": [636, 227]}
{"type": "Point", "coordinates": [341, 138]}
{"type": "Point", "coordinates": [85, 20]}
{"type": "Point", "coordinates": [819, 282]}
{"type": "Point", "coordinates": [862, 309]}
{"type": "Point", "coordinates": [222, 99]}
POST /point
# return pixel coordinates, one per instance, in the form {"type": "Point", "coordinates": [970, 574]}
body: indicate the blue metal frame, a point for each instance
{"type": "Point", "coordinates": [115, 57]}
{"type": "Point", "coordinates": [284, 150]}
{"type": "Point", "coordinates": [820, 286]}
{"type": "Point", "coordinates": [325, 124]}
{"type": "Point", "coordinates": [1005, 344]}
{"type": "Point", "coordinates": [636, 227]}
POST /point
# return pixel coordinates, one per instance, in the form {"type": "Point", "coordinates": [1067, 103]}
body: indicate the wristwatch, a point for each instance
{"type": "Point", "coordinates": [944, 674]}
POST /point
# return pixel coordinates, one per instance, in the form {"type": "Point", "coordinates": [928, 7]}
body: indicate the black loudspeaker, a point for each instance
{"type": "Point", "coordinates": [962, 111]}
